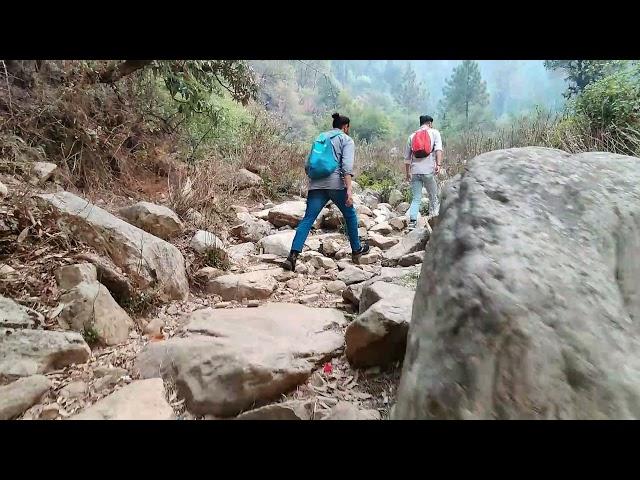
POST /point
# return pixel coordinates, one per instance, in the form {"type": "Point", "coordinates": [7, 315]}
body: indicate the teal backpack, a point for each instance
{"type": "Point", "coordinates": [322, 161]}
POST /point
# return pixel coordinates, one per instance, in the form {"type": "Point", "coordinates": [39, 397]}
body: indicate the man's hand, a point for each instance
{"type": "Point", "coordinates": [349, 201]}
{"type": "Point", "coordinates": [407, 177]}
{"type": "Point", "coordinates": [437, 170]}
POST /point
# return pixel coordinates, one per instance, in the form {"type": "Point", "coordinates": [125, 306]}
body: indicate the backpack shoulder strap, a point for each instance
{"type": "Point", "coordinates": [338, 154]}
{"type": "Point", "coordinates": [433, 142]}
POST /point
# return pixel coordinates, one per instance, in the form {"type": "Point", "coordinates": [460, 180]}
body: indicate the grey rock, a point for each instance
{"type": "Point", "coordinates": [528, 300]}
{"type": "Point", "coordinates": [17, 397]}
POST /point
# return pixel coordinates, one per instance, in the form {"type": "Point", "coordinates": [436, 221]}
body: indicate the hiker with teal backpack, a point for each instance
{"type": "Point", "coordinates": [329, 167]}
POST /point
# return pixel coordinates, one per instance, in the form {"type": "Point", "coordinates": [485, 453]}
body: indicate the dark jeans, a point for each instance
{"type": "Point", "coordinates": [316, 200]}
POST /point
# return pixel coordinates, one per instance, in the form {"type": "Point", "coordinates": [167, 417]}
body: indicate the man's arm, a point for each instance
{"type": "Point", "coordinates": [348, 156]}
{"type": "Point", "coordinates": [437, 146]}
{"type": "Point", "coordinates": [407, 159]}
{"type": "Point", "coordinates": [347, 184]}
{"type": "Point", "coordinates": [438, 161]}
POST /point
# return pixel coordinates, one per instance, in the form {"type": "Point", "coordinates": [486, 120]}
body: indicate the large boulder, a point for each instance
{"type": "Point", "coordinates": [414, 241]}
{"type": "Point", "coordinates": [246, 179]}
{"type": "Point", "coordinates": [402, 207]}
{"type": "Point", "coordinates": [364, 210]}
{"type": "Point", "coordinates": [150, 262]}
{"type": "Point", "coordinates": [382, 242]}
{"type": "Point", "coordinates": [158, 220]}
{"type": "Point", "coordinates": [382, 228]}
{"type": "Point", "coordinates": [232, 359]}
{"type": "Point", "coordinates": [27, 352]}
{"type": "Point", "coordinates": [528, 304]}
{"type": "Point", "coordinates": [241, 251]}
{"type": "Point", "coordinates": [377, 290]}
{"type": "Point", "coordinates": [18, 396]}
{"type": "Point", "coordinates": [250, 229]}
{"type": "Point", "coordinates": [336, 286]}
{"type": "Point", "coordinates": [351, 274]}
{"type": "Point", "coordinates": [332, 219]}
{"type": "Point", "coordinates": [140, 400]}
{"type": "Point", "coordinates": [399, 223]}
{"type": "Point", "coordinates": [352, 293]}
{"type": "Point", "coordinates": [329, 247]}
{"type": "Point", "coordinates": [278, 243]}
{"type": "Point", "coordinates": [89, 307]}
{"type": "Point", "coordinates": [257, 285]}
{"type": "Point", "coordinates": [110, 276]}
{"type": "Point", "coordinates": [14, 315]}
{"type": "Point", "coordinates": [378, 336]}
{"type": "Point", "coordinates": [204, 242]}
{"type": "Point", "coordinates": [40, 172]}
{"type": "Point", "coordinates": [370, 198]}
{"type": "Point", "coordinates": [287, 213]}
{"type": "Point", "coordinates": [69, 276]}
{"type": "Point", "coordinates": [411, 259]}
{"type": "Point", "coordinates": [399, 276]}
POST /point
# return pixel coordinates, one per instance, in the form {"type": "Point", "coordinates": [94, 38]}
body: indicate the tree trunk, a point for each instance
{"type": "Point", "coordinates": [116, 72]}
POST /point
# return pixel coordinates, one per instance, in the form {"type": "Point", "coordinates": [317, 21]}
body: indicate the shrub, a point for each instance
{"type": "Point", "coordinates": [612, 101]}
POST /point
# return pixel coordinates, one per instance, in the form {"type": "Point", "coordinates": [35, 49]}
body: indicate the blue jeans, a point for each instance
{"type": "Point", "coordinates": [429, 182]}
{"type": "Point", "coordinates": [316, 200]}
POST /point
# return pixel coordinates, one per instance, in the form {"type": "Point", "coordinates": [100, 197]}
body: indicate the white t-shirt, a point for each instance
{"type": "Point", "coordinates": [427, 165]}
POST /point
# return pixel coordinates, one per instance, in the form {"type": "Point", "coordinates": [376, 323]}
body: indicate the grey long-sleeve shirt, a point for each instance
{"type": "Point", "coordinates": [344, 149]}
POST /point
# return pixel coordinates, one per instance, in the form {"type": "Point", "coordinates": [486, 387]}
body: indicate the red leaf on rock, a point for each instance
{"type": "Point", "coordinates": [328, 368]}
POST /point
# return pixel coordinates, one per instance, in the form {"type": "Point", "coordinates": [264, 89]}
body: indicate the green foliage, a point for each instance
{"type": "Point", "coordinates": [465, 96]}
{"type": "Point", "coordinates": [217, 258]}
{"type": "Point", "coordinates": [202, 99]}
{"type": "Point", "coordinates": [90, 336]}
{"type": "Point", "coordinates": [370, 124]}
{"type": "Point", "coordinates": [424, 209]}
{"type": "Point", "coordinates": [406, 193]}
{"type": "Point", "coordinates": [380, 178]}
{"type": "Point", "coordinates": [611, 102]}
{"type": "Point", "coordinates": [580, 73]}
{"type": "Point", "coordinates": [142, 301]}
{"type": "Point", "coordinates": [192, 82]}
{"type": "Point", "coordinates": [410, 280]}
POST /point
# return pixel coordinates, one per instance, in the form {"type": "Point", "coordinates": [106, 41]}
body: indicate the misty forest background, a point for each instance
{"type": "Point", "coordinates": [112, 125]}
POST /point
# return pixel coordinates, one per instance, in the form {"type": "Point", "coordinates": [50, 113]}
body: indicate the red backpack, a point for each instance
{"type": "Point", "coordinates": [421, 146]}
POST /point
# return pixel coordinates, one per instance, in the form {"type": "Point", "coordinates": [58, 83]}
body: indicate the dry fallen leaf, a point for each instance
{"type": "Point", "coordinates": [56, 311]}
{"type": "Point", "coordinates": [39, 252]}
{"type": "Point", "coordinates": [23, 235]}
{"type": "Point", "coordinates": [361, 395]}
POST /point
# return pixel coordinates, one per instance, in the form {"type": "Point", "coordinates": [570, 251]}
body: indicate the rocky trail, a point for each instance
{"type": "Point", "coordinates": [129, 311]}
{"type": "Point", "coordinates": [527, 305]}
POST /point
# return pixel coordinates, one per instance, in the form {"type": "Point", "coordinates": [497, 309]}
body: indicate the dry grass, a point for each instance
{"type": "Point", "coordinates": [93, 132]}
{"type": "Point", "coordinates": [543, 129]}
{"type": "Point", "coordinates": [31, 244]}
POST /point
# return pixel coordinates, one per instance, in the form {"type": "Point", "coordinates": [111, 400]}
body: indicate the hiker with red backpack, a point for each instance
{"type": "Point", "coordinates": [329, 167]}
{"type": "Point", "coordinates": [423, 159]}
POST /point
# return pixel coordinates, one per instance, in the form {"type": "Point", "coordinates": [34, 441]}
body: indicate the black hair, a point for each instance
{"type": "Point", "coordinates": [339, 121]}
{"type": "Point", "coordinates": [425, 119]}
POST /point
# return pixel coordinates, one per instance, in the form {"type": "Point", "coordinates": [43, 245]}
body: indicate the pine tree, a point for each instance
{"type": "Point", "coordinates": [410, 94]}
{"type": "Point", "coordinates": [465, 92]}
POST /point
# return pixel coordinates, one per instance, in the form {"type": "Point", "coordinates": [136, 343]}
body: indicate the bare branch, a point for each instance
{"type": "Point", "coordinates": [116, 72]}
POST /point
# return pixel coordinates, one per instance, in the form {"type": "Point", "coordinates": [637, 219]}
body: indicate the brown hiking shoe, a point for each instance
{"type": "Point", "coordinates": [364, 249]}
